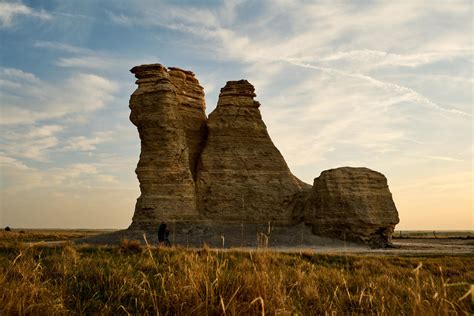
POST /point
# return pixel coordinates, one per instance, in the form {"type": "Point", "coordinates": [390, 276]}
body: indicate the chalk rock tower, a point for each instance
{"type": "Point", "coordinates": [191, 108]}
{"type": "Point", "coordinates": [242, 175]}
{"type": "Point", "coordinates": [210, 175]}
{"type": "Point", "coordinates": [166, 161]}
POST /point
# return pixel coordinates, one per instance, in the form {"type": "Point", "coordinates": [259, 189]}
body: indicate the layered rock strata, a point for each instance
{"type": "Point", "coordinates": [242, 176]}
{"type": "Point", "coordinates": [191, 108]}
{"type": "Point", "coordinates": [353, 204]}
{"type": "Point", "coordinates": [166, 182]}
{"type": "Point", "coordinates": [215, 174]}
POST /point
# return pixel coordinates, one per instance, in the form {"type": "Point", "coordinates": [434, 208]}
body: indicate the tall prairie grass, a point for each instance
{"type": "Point", "coordinates": [132, 279]}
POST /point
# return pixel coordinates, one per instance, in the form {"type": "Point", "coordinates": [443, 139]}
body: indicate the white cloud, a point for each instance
{"type": "Point", "coordinates": [44, 131]}
{"type": "Point", "coordinates": [444, 158]}
{"type": "Point", "coordinates": [9, 161]}
{"type": "Point", "coordinates": [27, 99]}
{"type": "Point", "coordinates": [9, 10]}
{"type": "Point", "coordinates": [31, 142]}
{"type": "Point", "coordinates": [387, 85]}
{"type": "Point", "coordinates": [103, 178]}
{"type": "Point", "coordinates": [35, 150]}
{"type": "Point", "coordinates": [29, 104]}
{"type": "Point", "coordinates": [83, 143]}
{"type": "Point", "coordinates": [258, 40]}
{"type": "Point", "coordinates": [120, 19]}
{"type": "Point", "coordinates": [360, 50]}
{"type": "Point", "coordinates": [16, 176]}
{"type": "Point", "coordinates": [61, 47]}
{"type": "Point", "coordinates": [367, 59]}
{"type": "Point", "coordinates": [343, 100]}
{"type": "Point", "coordinates": [80, 57]}
{"type": "Point", "coordinates": [93, 62]}
{"type": "Point", "coordinates": [75, 170]}
{"type": "Point", "coordinates": [411, 94]}
{"type": "Point", "coordinates": [18, 75]}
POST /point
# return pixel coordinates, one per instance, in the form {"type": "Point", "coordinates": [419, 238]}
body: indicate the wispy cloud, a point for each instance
{"type": "Point", "coordinates": [411, 94]}
{"type": "Point", "coordinates": [57, 46]}
{"type": "Point", "coordinates": [27, 99]}
{"type": "Point", "coordinates": [83, 143]}
{"type": "Point", "coordinates": [444, 158]}
{"type": "Point", "coordinates": [95, 60]}
{"type": "Point", "coordinates": [10, 10]}
{"type": "Point", "coordinates": [373, 58]}
{"type": "Point", "coordinates": [347, 47]}
{"type": "Point", "coordinates": [387, 85]}
{"type": "Point", "coordinates": [262, 46]}
{"type": "Point", "coordinates": [32, 142]}
{"type": "Point", "coordinates": [23, 178]}
{"type": "Point", "coordinates": [30, 105]}
{"type": "Point", "coordinates": [40, 142]}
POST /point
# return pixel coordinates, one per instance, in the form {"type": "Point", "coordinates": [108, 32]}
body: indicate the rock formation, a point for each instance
{"type": "Point", "coordinates": [242, 176]}
{"type": "Point", "coordinates": [353, 204]}
{"type": "Point", "coordinates": [191, 108]}
{"type": "Point", "coordinates": [226, 170]}
{"type": "Point", "coordinates": [166, 182]}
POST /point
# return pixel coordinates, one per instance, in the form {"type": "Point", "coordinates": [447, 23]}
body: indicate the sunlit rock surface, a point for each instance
{"type": "Point", "coordinates": [166, 182]}
{"type": "Point", "coordinates": [242, 176]}
{"type": "Point", "coordinates": [210, 176]}
{"type": "Point", "coordinates": [353, 204]}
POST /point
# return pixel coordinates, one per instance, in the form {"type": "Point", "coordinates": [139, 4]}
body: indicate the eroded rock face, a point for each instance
{"type": "Point", "coordinates": [166, 182]}
{"type": "Point", "coordinates": [242, 176]}
{"type": "Point", "coordinates": [225, 170]}
{"type": "Point", "coordinates": [353, 204]}
{"type": "Point", "coordinates": [191, 107]}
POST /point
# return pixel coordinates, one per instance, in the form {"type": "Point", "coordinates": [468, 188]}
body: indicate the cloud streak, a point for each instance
{"type": "Point", "coordinates": [83, 143]}
{"type": "Point", "coordinates": [346, 58]}
{"type": "Point", "coordinates": [27, 99]}
{"type": "Point", "coordinates": [10, 10]}
{"type": "Point", "coordinates": [386, 85]}
{"type": "Point", "coordinates": [22, 178]}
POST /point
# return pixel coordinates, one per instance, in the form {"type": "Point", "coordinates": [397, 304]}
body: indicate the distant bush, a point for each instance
{"type": "Point", "coordinates": [8, 229]}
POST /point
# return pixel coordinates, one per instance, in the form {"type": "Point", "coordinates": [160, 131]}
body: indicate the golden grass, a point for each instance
{"type": "Point", "coordinates": [135, 279]}
{"type": "Point", "coordinates": [38, 235]}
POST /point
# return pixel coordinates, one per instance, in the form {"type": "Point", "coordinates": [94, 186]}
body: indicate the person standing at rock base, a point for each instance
{"type": "Point", "coordinates": [161, 233]}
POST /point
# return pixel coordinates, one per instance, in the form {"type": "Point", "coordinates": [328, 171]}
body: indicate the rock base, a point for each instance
{"type": "Point", "coordinates": [196, 235]}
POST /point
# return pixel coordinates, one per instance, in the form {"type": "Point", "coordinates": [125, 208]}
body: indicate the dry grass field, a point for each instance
{"type": "Point", "coordinates": [136, 279]}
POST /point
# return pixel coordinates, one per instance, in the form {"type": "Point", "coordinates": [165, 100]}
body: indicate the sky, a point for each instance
{"type": "Point", "coordinates": [383, 84]}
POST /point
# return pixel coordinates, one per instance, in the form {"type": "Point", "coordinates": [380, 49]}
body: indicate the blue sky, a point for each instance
{"type": "Point", "coordinates": [382, 84]}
